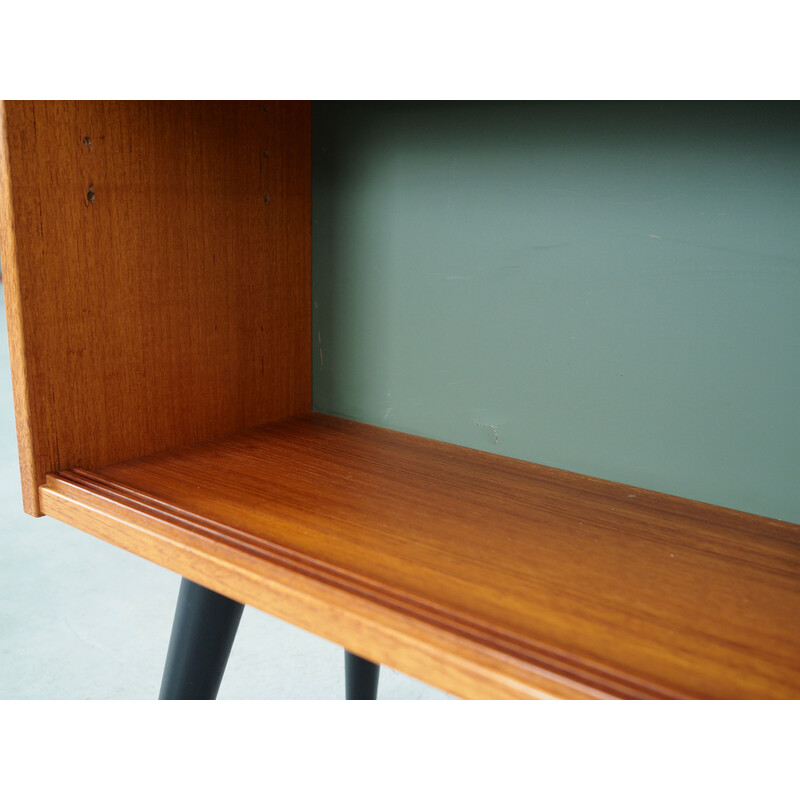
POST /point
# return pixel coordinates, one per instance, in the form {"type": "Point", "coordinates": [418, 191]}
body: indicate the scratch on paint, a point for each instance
{"type": "Point", "coordinates": [484, 425]}
{"type": "Point", "coordinates": [653, 236]}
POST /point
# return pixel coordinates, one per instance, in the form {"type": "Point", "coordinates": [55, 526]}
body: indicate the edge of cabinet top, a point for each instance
{"type": "Point", "coordinates": [483, 575]}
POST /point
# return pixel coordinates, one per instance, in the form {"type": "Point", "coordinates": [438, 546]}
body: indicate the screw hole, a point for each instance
{"type": "Point", "coordinates": [90, 194]}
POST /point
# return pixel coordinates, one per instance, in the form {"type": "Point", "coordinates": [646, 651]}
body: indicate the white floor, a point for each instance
{"type": "Point", "coordinates": [80, 619]}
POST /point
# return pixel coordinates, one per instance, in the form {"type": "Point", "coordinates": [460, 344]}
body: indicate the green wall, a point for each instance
{"type": "Point", "coordinates": [608, 288]}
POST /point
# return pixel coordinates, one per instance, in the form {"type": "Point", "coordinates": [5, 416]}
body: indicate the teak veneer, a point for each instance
{"type": "Point", "coordinates": [487, 576]}
{"type": "Point", "coordinates": [157, 274]}
{"type": "Point", "coordinates": [173, 306]}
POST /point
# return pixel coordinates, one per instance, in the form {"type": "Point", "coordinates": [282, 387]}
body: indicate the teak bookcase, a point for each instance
{"type": "Point", "coordinates": [157, 268]}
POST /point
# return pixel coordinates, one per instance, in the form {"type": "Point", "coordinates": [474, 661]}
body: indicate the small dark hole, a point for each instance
{"type": "Point", "coordinates": [90, 194]}
{"type": "Point", "coordinates": [88, 142]}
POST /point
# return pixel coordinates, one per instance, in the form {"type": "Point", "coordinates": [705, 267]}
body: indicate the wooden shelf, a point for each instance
{"type": "Point", "coordinates": [157, 275]}
{"type": "Point", "coordinates": [482, 575]}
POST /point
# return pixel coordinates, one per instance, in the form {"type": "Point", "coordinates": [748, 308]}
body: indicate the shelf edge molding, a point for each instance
{"type": "Point", "coordinates": [456, 654]}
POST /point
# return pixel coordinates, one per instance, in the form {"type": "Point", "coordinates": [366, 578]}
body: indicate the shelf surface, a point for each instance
{"type": "Point", "coordinates": [483, 575]}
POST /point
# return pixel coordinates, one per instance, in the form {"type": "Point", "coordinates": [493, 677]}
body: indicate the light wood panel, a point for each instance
{"type": "Point", "coordinates": [157, 274]}
{"type": "Point", "coordinates": [485, 576]}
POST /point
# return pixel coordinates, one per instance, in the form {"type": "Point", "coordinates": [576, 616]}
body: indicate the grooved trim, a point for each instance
{"type": "Point", "coordinates": [482, 575]}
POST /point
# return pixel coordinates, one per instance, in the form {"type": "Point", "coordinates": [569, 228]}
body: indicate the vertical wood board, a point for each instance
{"type": "Point", "coordinates": [158, 265]}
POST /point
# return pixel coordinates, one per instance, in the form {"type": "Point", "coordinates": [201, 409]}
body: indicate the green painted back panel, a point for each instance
{"type": "Point", "coordinates": [612, 289]}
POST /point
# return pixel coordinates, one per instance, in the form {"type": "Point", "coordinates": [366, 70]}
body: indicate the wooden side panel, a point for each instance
{"type": "Point", "coordinates": [158, 267]}
{"type": "Point", "coordinates": [16, 345]}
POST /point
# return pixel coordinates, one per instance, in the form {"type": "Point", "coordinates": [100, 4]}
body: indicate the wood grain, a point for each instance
{"type": "Point", "coordinates": [157, 266]}
{"type": "Point", "coordinates": [485, 576]}
{"type": "Point", "coordinates": [16, 344]}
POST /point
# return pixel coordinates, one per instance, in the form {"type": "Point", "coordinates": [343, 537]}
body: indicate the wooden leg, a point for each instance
{"type": "Point", "coordinates": [202, 636]}
{"type": "Point", "coordinates": [361, 677]}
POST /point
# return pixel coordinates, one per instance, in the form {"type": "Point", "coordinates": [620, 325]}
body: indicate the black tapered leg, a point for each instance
{"type": "Point", "coordinates": [202, 636]}
{"type": "Point", "coordinates": [360, 677]}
